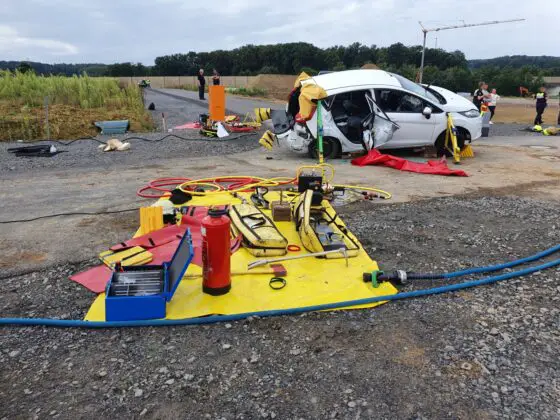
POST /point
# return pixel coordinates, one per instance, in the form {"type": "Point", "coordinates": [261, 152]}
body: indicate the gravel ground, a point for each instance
{"type": "Point", "coordinates": [510, 130]}
{"type": "Point", "coordinates": [484, 353]}
{"type": "Point", "coordinates": [85, 153]}
{"type": "Point", "coordinates": [178, 110]}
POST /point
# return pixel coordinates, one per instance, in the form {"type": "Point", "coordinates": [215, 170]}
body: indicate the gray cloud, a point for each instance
{"type": "Point", "coordinates": [140, 30]}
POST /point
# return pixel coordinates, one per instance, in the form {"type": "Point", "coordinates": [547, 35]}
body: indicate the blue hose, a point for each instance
{"type": "Point", "coordinates": [236, 317]}
{"type": "Point", "coordinates": [498, 267]}
{"type": "Point", "coordinates": [475, 270]}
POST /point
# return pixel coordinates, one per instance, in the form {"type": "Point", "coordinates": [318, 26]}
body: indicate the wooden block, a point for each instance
{"type": "Point", "coordinates": [281, 212]}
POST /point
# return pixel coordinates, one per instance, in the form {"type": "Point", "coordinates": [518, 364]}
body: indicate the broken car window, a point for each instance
{"type": "Point", "coordinates": [398, 101]}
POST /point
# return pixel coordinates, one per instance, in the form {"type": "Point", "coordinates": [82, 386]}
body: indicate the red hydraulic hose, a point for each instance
{"type": "Point", "coordinates": [165, 185]}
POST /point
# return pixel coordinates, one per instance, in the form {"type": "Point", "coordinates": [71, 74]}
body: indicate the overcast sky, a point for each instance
{"type": "Point", "coordinates": [104, 31]}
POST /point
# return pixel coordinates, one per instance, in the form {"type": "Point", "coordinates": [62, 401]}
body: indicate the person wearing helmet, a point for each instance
{"type": "Point", "coordinates": [541, 98]}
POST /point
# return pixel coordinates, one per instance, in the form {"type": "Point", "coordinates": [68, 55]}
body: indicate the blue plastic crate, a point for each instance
{"type": "Point", "coordinates": [142, 292]}
{"type": "Point", "coordinates": [112, 127]}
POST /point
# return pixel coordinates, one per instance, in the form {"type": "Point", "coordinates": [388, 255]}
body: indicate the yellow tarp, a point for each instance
{"type": "Point", "coordinates": [308, 97]}
{"type": "Point", "coordinates": [302, 76]}
{"type": "Point", "coordinates": [310, 281]}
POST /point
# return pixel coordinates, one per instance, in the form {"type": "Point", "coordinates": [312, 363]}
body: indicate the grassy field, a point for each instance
{"type": "Point", "coordinates": [523, 112]}
{"type": "Point", "coordinates": [74, 104]}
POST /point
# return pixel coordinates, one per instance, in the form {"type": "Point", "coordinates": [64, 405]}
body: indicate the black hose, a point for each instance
{"type": "Point", "coordinates": [410, 276]}
{"type": "Point", "coordinates": [205, 139]}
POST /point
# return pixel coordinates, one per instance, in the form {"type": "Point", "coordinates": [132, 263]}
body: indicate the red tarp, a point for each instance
{"type": "Point", "coordinates": [434, 167]}
{"type": "Point", "coordinates": [166, 241]}
{"type": "Point", "coordinates": [187, 126]}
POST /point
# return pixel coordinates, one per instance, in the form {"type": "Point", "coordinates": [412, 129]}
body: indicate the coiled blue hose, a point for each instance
{"type": "Point", "coordinates": [294, 311]}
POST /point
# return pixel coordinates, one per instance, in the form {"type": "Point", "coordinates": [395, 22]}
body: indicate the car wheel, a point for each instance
{"type": "Point", "coordinates": [440, 142]}
{"type": "Point", "coordinates": [331, 148]}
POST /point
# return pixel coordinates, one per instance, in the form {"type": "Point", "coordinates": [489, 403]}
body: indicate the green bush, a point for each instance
{"type": "Point", "coordinates": [246, 91]}
{"type": "Point", "coordinates": [310, 71]}
{"type": "Point", "coordinates": [269, 70]}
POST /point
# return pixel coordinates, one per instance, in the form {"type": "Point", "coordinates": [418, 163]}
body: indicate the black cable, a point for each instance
{"type": "Point", "coordinates": [5, 222]}
{"type": "Point", "coordinates": [214, 139]}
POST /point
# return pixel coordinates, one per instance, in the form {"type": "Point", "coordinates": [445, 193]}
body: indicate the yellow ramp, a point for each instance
{"type": "Point", "coordinates": [310, 281]}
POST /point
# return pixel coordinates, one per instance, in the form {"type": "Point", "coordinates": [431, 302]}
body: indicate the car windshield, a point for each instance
{"type": "Point", "coordinates": [416, 88]}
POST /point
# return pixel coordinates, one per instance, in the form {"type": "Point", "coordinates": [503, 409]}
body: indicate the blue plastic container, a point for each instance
{"type": "Point", "coordinates": [112, 127]}
{"type": "Point", "coordinates": [142, 292]}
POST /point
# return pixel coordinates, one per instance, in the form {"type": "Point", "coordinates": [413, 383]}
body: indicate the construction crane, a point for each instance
{"type": "Point", "coordinates": [444, 28]}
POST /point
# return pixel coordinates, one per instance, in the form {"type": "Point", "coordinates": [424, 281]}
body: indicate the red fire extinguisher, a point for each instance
{"type": "Point", "coordinates": [216, 253]}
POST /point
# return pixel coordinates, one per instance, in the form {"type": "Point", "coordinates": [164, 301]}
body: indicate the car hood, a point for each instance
{"type": "Point", "coordinates": [455, 103]}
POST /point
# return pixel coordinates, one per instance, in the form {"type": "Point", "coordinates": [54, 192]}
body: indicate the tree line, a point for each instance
{"type": "Point", "coordinates": [61, 69]}
{"type": "Point", "coordinates": [448, 69]}
{"type": "Point", "coordinates": [518, 61]}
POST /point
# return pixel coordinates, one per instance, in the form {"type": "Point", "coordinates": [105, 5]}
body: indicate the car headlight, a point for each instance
{"type": "Point", "coordinates": [471, 113]}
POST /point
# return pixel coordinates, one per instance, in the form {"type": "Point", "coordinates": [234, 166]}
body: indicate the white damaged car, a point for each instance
{"type": "Point", "coordinates": [374, 108]}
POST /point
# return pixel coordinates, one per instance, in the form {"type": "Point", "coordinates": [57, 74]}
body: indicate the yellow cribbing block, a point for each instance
{"type": "Point", "coordinates": [262, 114]}
{"type": "Point", "coordinates": [132, 256]}
{"type": "Point", "coordinates": [267, 140]}
{"type": "Point", "coordinates": [309, 281]}
{"type": "Point", "coordinates": [151, 218]}
{"type": "Point", "coordinates": [467, 151]}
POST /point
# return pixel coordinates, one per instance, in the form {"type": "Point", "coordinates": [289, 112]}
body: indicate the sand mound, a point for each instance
{"type": "Point", "coordinates": [276, 85]}
{"type": "Point", "coordinates": [370, 66]}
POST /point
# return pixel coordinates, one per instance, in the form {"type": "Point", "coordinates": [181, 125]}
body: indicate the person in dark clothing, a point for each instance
{"type": "Point", "coordinates": [478, 96]}
{"type": "Point", "coordinates": [215, 77]}
{"type": "Point", "coordinates": [540, 105]}
{"type": "Point", "coordinates": [201, 84]}
{"type": "Point", "coordinates": [559, 110]}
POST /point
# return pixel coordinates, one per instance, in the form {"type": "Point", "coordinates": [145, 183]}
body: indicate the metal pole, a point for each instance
{"type": "Point", "coordinates": [423, 54]}
{"type": "Point", "coordinates": [320, 133]}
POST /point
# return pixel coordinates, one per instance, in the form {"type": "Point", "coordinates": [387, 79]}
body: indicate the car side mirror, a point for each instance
{"type": "Point", "coordinates": [427, 112]}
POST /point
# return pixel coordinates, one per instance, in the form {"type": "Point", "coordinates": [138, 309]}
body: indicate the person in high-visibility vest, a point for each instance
{"type": "Point", "coordinates": [541, 98]}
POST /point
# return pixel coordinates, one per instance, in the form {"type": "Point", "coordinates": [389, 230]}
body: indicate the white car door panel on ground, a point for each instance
{"type": "Point", "coordinates": [405, 109]}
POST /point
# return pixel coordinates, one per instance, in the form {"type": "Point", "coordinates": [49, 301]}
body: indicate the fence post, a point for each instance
{"type": "Point", "coordinates": [164, 82]}
{"type": "Point", "coordinates": [47, 117]}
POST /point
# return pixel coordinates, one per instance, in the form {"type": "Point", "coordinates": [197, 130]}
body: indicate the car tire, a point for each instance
{"type": "Point", "coordinates": [331, 148]}
{"type": "Point", "coordinates": [440, 142]}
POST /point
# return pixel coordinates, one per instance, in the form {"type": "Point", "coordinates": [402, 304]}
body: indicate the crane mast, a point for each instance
{"type": "Point", "coordinates": [444, 28]}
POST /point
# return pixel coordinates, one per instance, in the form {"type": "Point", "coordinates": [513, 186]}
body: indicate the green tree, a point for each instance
{"type": "Point", "coordinates": [24, 67]}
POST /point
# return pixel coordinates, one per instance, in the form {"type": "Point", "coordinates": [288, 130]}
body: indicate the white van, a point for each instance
{"type": "Point", "coordinates": [360, 106]}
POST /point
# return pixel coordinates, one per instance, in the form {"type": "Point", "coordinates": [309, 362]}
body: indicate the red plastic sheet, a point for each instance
{"type": "Point", "coordinates": [154, 239]}
{"type": "Point", "coordinates": [96, 278]}
{"type": "Point", "coordinates": [434, 167]}
{"type": "Point", "coordinates": [189, 126]}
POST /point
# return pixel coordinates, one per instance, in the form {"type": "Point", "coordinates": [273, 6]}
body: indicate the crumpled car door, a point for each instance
{"type": "Point", "coordinates": [382, 127]}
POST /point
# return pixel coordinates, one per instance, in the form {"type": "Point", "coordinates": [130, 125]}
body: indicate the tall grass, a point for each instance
{"type": "Point", "coordinates": [80, 91]}
{"type": "Point", "coordinates": [75, 102]}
